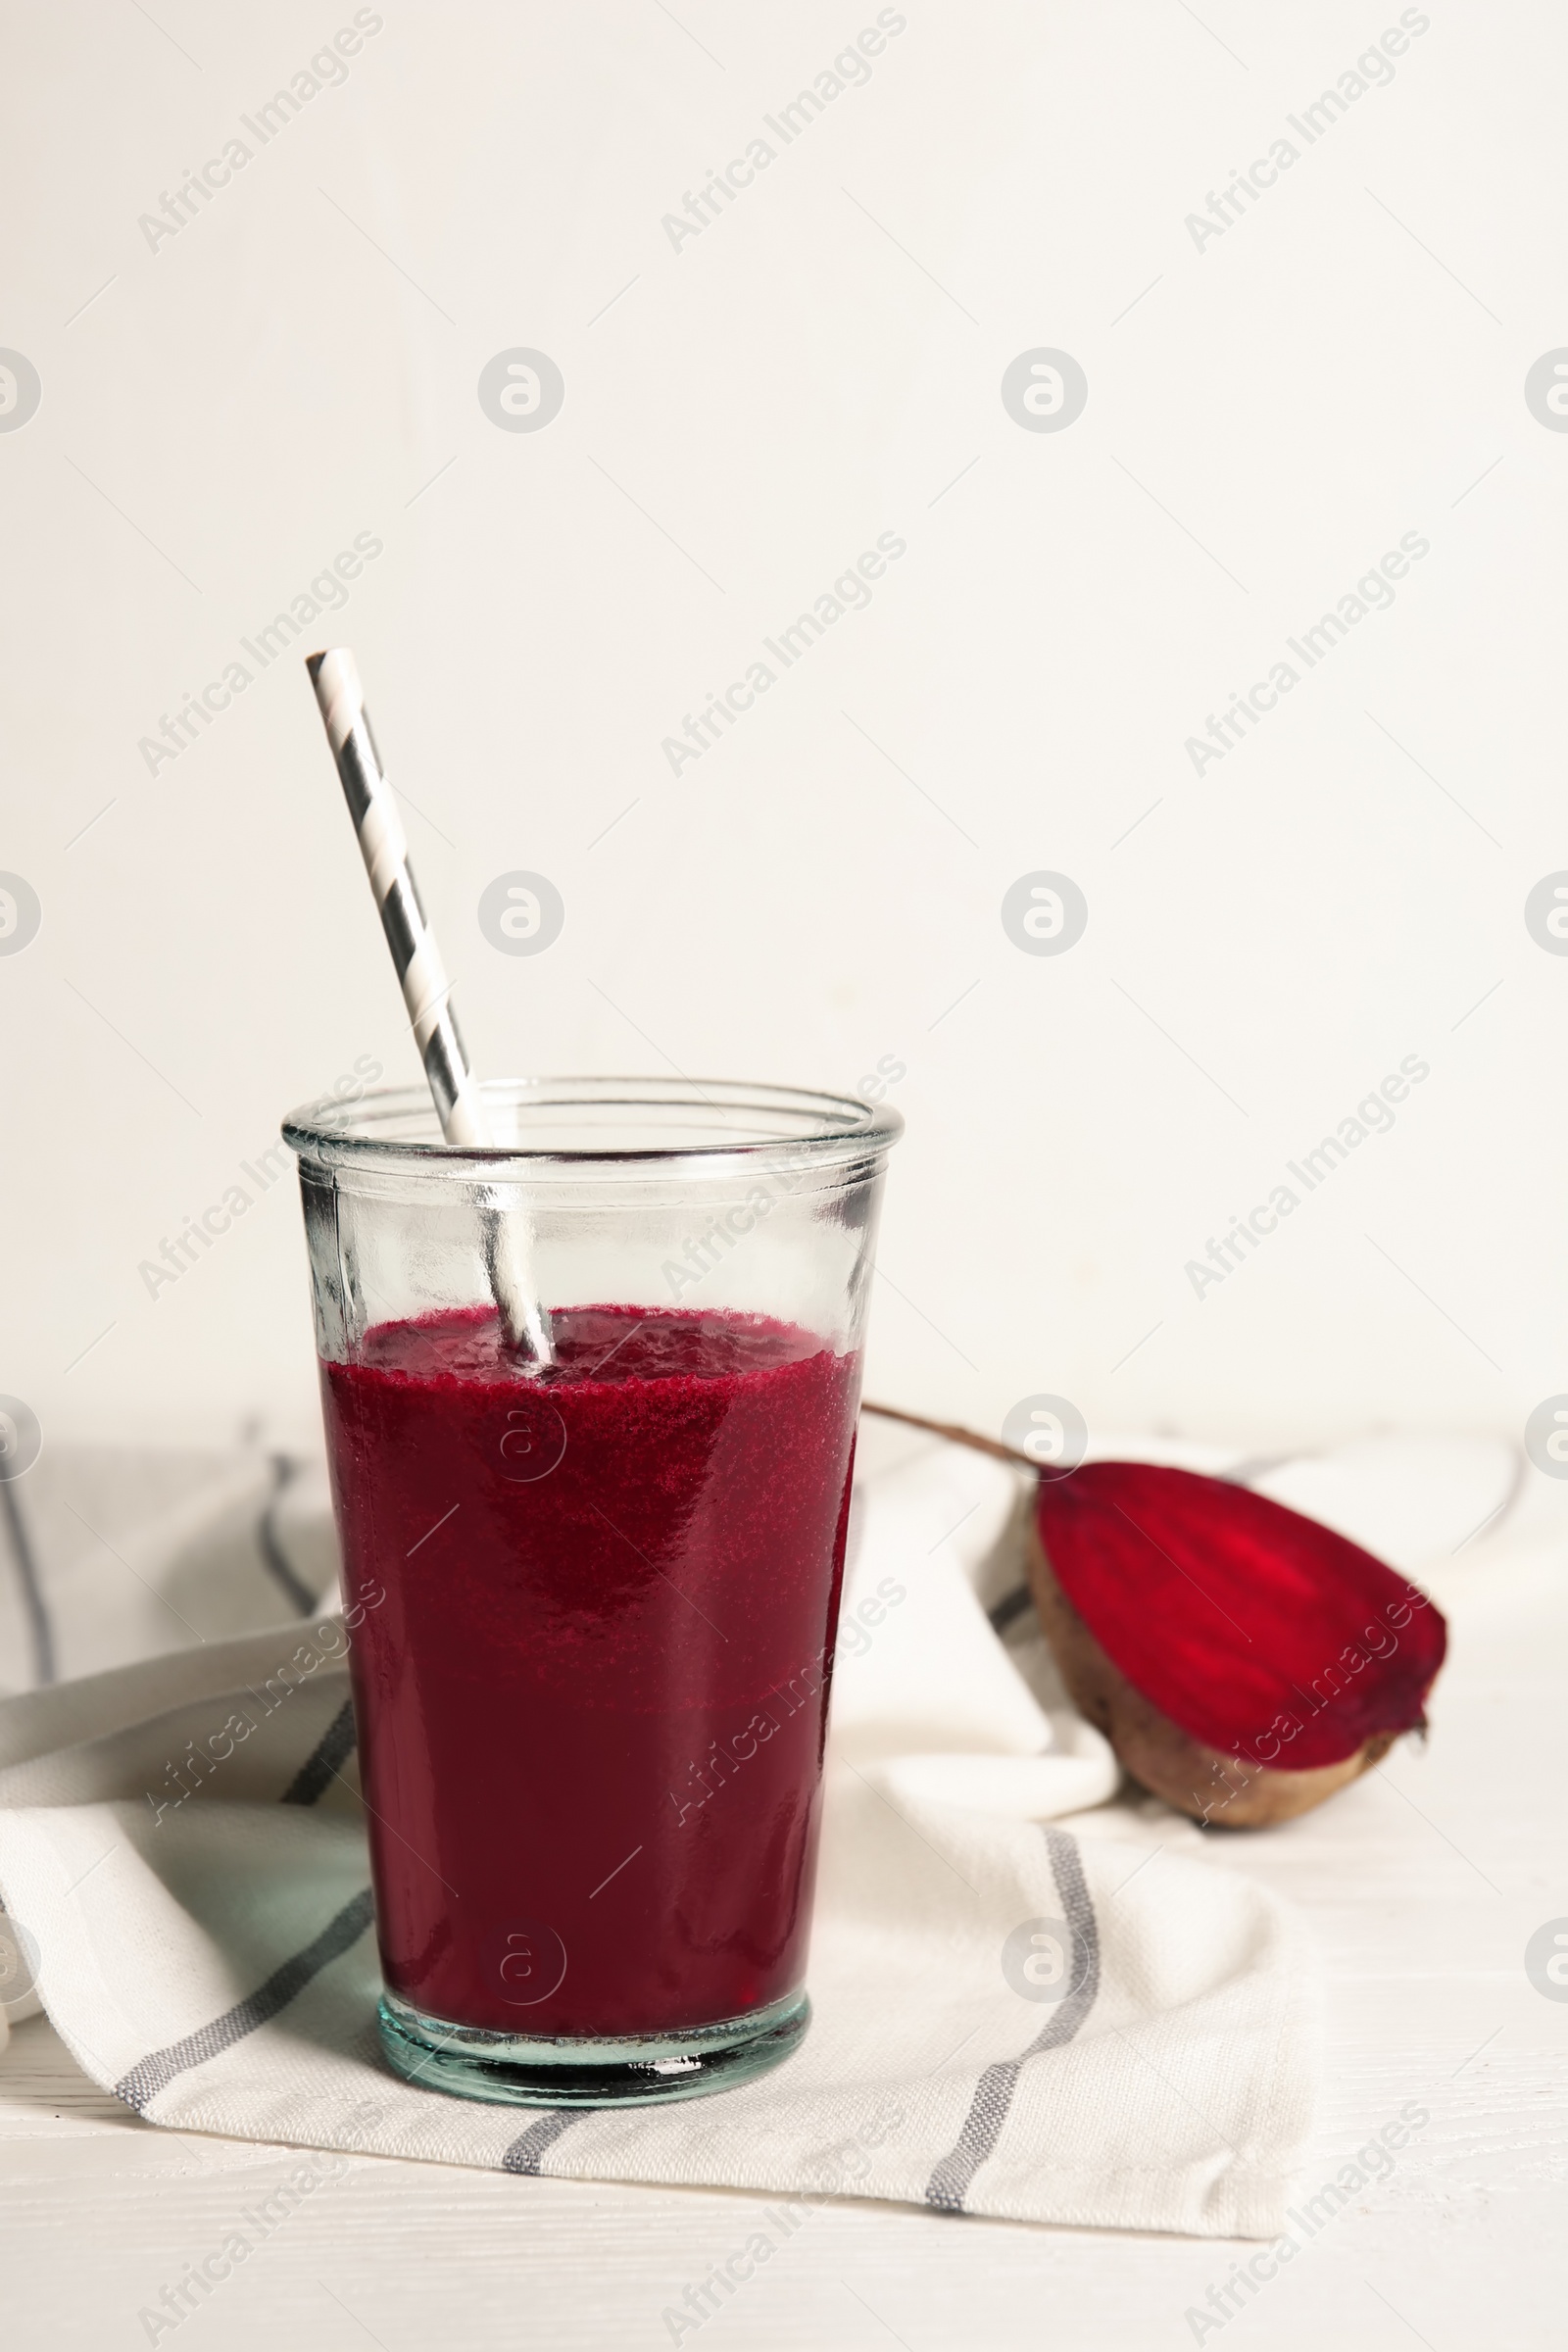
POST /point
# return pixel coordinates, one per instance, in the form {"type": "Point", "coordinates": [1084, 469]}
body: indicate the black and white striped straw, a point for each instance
{"type": "Point", "coordinates": [426, 990]}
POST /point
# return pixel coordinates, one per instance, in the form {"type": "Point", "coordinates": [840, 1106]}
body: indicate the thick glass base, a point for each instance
{"type": "Point", "coordinates": [621, 2071]}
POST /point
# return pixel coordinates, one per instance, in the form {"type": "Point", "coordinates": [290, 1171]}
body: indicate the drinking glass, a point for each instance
{"type": "Point", "coordinates": [594, 1603]}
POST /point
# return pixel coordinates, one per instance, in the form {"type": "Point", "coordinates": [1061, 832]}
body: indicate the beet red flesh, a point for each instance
{"type": "Point", "coordinates": [1250, 1627]}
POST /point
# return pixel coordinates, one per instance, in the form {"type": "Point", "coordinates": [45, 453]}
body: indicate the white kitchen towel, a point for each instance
{"type": "Point", "coordinates": [1008, 2019]}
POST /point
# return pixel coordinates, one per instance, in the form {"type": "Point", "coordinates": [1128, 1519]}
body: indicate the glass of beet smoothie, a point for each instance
{"type": "Point", "coordinates": [595, 1603]}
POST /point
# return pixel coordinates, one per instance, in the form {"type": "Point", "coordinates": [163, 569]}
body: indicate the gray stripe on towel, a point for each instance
{"type": "Point", "coordinates": [529, 2146]}
{"type": "Point", "coordinates": [143, 2084]}
{"type": "Point", "coordinates": [34, 1602]}
{"type": "Point", "coordinates": [269, 1544]}
{"type": "Point", "coordinates": [324, 1761]}
{"type": "Point", "coordinates": [993, 2092]}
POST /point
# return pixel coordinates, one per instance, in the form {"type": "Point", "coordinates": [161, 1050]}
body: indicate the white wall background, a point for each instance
{"type": "Point", "coordinates": [1343, 366]}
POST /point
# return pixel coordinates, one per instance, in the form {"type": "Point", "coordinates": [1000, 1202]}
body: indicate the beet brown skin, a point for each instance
{"type": "Point", "coordinates": [1243, 1662]}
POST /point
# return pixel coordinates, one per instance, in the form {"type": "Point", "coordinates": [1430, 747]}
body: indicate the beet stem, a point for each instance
{"type": "Point", "coordinates": [954, 1430]}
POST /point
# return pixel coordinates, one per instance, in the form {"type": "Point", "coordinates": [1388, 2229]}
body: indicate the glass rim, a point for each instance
{"type": "Point", "coordinates": [378, 1129]}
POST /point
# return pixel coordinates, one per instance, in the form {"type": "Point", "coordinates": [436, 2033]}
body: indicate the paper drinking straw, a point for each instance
{"type": "Point", "coordinates": [426, 990]}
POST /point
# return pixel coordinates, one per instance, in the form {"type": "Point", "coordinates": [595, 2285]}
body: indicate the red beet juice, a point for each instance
{"type": "Point", "coordinates": [592, 1705]}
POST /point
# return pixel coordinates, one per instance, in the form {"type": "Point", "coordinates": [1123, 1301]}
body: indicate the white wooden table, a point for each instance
{"type": "Point", "coordinates": [1423, 1884]}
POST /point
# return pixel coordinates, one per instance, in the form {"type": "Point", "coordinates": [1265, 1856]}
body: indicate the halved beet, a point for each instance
{"type": "Point", "coordinates": [1244, 1661]}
